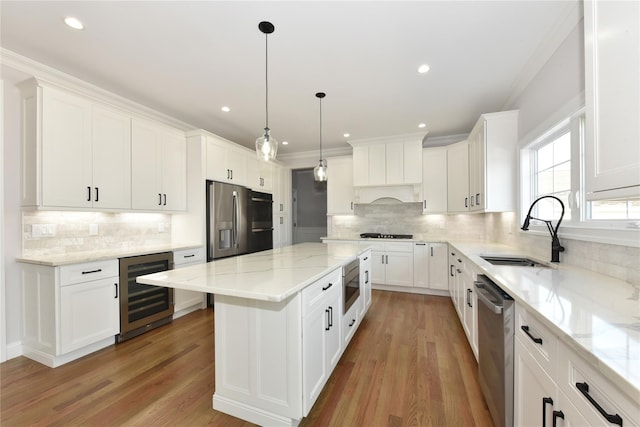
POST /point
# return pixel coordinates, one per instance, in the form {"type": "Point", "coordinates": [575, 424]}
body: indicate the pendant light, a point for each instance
{"type": "Point", "coordinates": [320, 171]}
{"type": "Point", "coordinates": [266, 145]}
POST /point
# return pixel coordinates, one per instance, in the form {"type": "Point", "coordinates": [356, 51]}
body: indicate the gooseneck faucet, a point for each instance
{"type": "Point", "coordinates": [556, 247]}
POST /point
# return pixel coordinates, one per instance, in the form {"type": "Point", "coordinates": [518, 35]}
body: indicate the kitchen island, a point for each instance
{"type": "Point", "coordinates": [278, 325]}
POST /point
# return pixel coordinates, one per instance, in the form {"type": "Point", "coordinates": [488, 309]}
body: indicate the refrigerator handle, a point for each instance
{"type": "Point", "coordinates": [234, 220]}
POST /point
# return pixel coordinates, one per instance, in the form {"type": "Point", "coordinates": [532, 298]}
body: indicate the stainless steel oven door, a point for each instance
{"type": "Point", "coordinates": [351, 284]}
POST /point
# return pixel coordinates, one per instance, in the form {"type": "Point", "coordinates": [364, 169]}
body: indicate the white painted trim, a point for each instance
{"type": "Point", "coordinates": [70, 83]}
{"type": "Point", "coordinates": [309, 159]}
{"type": "Point", "coordinates": [571, 16]}
{"type": "Point", "coordinates": [55, 361]}
{"type": "Point", "coordinates": [3, 320]}
{"type": "Point", "coordinates": [250, 413]}
{"type": "Point", "coordinates": [441, 141]}
{"type": "Point", "coordinates": [422, 136]}
{"type": "Point", "coordinates": [410, 290]}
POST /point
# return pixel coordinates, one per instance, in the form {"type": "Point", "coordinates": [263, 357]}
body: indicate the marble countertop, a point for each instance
{"type": "Point", "coordinates": [56, 260]}
{"type": "Point", "coordinates": [596, 315]}
{"type": "Point", "coordinates": [272, 275]}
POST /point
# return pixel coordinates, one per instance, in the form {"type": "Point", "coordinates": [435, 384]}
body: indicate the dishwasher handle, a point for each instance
{"type": "Point", "coordinates": [485, 297]}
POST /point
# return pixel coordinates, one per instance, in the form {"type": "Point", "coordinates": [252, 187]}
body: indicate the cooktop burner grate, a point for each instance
{"type": "Point", "coordinates": [385, 236]}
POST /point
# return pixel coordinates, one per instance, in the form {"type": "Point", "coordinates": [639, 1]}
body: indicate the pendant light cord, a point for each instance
{"type": "Point", "coordinates": [320, 130]}
{"type": "Point", "coordinates": [266, 79]}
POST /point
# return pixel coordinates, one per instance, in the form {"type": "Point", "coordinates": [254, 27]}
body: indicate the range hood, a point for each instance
{"type": "Point", "coordinates": [388, 194]}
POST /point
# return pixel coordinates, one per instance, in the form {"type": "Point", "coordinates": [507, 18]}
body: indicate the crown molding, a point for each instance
{"type": "Point", "coordinates": [309, 159]}
{"type": "Point", "coordinates": [68, 82]}
{"type": "Point", "coordinates": [440, 141]}
{"type": "Point", "coordinates": [422, 136]}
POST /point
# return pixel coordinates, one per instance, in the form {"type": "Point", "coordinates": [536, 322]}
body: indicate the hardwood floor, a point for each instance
{"type": "Point", "coordinates": [408, 365]}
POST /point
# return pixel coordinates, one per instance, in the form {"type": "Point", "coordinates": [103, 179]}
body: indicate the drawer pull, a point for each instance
{"type": "Point", "coordinates": [613, 419]}
{"type": "Point", "coordinates": [556, 415]}
{"type": "Point", "coordinates": [324, 288]}
{"type": "Point", "coordinates": [353, 321]}
{"type": "Point", "coordinates": [92, 271]}
{"type": "Point", "coordinates": [189, 256]}
{"type": "Point", "coordinates": [545, 401]}
{"type": "Point", "coordinates": [536, 340]}
{"type": "Point", "coordinates": [326, 328]}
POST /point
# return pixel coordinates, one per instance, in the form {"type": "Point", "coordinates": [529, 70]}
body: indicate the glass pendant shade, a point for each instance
{"type": "Point", "coordinates": [266, 146]}
{"type": "Point", "coordinates": [320, 172]}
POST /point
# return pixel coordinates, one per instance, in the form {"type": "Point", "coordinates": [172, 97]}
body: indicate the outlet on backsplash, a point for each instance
{"type": "Point", "coordinates": [43, 230]}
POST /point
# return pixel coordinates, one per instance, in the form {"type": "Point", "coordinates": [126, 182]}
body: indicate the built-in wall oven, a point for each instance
{"type": "Point", "coordinates": [496, 322]}
{"type": "Point", "coordinates": [260, 221]}
{"type": "Point", "coordinates": [143, 307]}
{"type": "Point", "coordinates": [351, 283]}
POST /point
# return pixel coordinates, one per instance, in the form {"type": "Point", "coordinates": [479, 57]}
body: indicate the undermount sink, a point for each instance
{"type": "Point", "coordinates": [512, 261]}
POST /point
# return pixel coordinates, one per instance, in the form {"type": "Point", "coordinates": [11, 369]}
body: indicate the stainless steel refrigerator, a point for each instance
{"type": "Point", "coordinates": [227, 220]}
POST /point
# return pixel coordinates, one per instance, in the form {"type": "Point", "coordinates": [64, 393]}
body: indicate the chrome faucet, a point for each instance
{"type": "Point", "coordinates": [556, 247]}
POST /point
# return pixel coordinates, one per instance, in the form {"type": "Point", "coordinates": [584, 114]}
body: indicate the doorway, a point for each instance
{"type": "Point", "coordinates": [309, 207]}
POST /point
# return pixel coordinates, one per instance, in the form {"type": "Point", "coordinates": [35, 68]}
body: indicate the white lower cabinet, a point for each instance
{"type": "Point", "coordinates": [430, 265]}
{"type": "Point", "coordinates": [69, 311]}
{"type": "Point", "coordinates": [321, 335]}
{"type": "Point", "coordinates": [365, 280]}
{"type": "Point", "coordinates": [392, 263]}
{"type": "Point", "coordinates": [461, 279]}
{"type": "Point", "coordinates": [555, 386]}
{"type": "Point", "coordinates": [184, 301]}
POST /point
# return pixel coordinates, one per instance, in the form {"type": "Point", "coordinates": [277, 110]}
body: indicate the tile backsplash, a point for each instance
{"type": "Point", "coordinates": [621, 262]}
{"type": "Point", "coordinates": [91, 231]}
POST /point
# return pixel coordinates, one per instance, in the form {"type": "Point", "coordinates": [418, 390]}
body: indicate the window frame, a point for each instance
{"type": "Point", "coordinates": [579, 227]}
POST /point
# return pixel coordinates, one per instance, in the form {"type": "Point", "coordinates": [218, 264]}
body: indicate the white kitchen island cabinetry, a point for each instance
{"type": "Point", "coordinates": [69, 311]}
{"type": "Point", "coordinates": [184, 302]}
{"type": "Point", "coordinates": [612, 83]}
{"type": "Point", "coordinates": [340, 186]}
{"type": "Point", "coordinates": [158, 167]}
{"type": "Point", "coordinates": [273, 352]}
{"type": "Point", "coordinates": [76, 152]}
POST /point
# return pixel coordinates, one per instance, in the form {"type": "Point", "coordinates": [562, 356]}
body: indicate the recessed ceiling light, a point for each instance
{"type": "Point", "coordinates": [422, 125]}
{"type": "Point", "coordinates": [226, 109]}
{"type": "Point", "coordinates": [423, 68]}
{"type": "Point", "coordinates": [285, 142]}
{"type": "Point", "coordinates": [347, 135]}
{"type": "Point", "coordinates": [74, 23]}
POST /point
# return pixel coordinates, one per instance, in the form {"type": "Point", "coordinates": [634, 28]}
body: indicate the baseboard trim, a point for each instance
{"type": "Point", "coordinates": [250, 413]}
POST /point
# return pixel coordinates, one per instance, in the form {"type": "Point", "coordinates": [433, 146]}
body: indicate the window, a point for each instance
{"type": "Point", "coordinates": [552, 165]}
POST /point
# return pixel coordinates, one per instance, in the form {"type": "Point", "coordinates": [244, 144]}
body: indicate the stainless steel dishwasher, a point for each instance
{"type": "Point", "coordinates": [496, 320]}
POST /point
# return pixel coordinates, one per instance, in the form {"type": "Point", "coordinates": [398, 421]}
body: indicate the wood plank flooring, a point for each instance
{"type": "Point", "coordinates": [408, 365]}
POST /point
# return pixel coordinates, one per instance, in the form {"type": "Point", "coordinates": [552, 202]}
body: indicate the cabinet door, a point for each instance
{"type": "Point", "coordinates": [66, 150]}
{"type": "Point", "coordinates": [438, 278]}
{"type": "Point", "coordinates": [477, 167]}
{"type": "Point", "coordinates": [458, 177]}
{"type": "Point", "coordinates": [237, 163]}
{"type": "Point", "coordinates": [399, 268]}
{"type": "Point", "coordinates": [412, 162]}
{"type": "Point", "coordinates": [360, 166]}
{"type": "Point", "coordinates": [534, 392]}
{"type": "Point", "coordinates": [146, 165]}
{"type": "Point", "coordinates": [314, 354]}
{"type": "Point", "coordinates": [378, 269]}
{"type": "Point", "coordinates": [111, 159]}
{"type": "Point", "coordinates": [434, 180]}
{"type": "Point", "coordinates": [89, 312]}
{"type": "Point", "coordinates": [394, 163]}
{"type": "Point", "coordinates": [217, 168]}
{"type": "Point", "coordinates": [333, 336]}
{"type": "Point", "coordinates": [365, 280]}
{"type": "Point", "coordinates": [377, 164]}
{"type": "Point", "coordinates": [612, 74]}
{"type": "Point", "coordinates": [339, 186]}
{"type": "Point", "coordinates": [174, 171]}
{"type": "Point", "coordinates": [421, 265]}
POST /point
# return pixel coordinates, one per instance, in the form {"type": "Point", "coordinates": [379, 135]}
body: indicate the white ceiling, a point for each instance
{"type": "Point", "coordinates": [188, 59]}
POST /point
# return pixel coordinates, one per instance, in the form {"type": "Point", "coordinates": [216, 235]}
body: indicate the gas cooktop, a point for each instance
{"type": "Point", "coordinates": [385, 236]}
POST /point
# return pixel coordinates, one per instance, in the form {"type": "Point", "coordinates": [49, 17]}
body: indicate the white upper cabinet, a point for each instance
{"type": "Point", "coordinates": [434, 180]}
{"type": "Point", "coordinates": [340, 186]}
{"type": "Point", "coordinates": [76, 152]}
{"type": "Point", "coordinates": [159, 167]}
{"type": "Point", "coordinates": [379, 163]}
{"type": "Point", "coordinates": [492, 162]}
{"type": "Point", "coordinates": [260, 174]}
{"type": "Point", "coordinates": [458, 177]}
{"type": "Point", "coordinates": [226, 162]}
{"type": "Point", "coordinates": [612, 74]}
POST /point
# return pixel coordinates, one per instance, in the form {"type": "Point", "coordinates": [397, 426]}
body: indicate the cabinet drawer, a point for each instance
{"type": "Point", "coordinates": [188, 256]}
{"type": "Point", "coordinates": [323, 288]}
{"type": "Point", "coordinates": [78, 273]}
{"type": "Point", "coordinates": [574, 369]}
{"type": "Point", "coordinates": [538, 340]}
{"type": "Point", "coordinates": [350, 321]}
{"type": "Point", "coordinates": [399, 247]}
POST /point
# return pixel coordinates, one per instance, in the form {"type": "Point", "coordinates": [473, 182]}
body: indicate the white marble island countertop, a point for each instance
{"type": "Point", "coordinates": [272, 275]}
